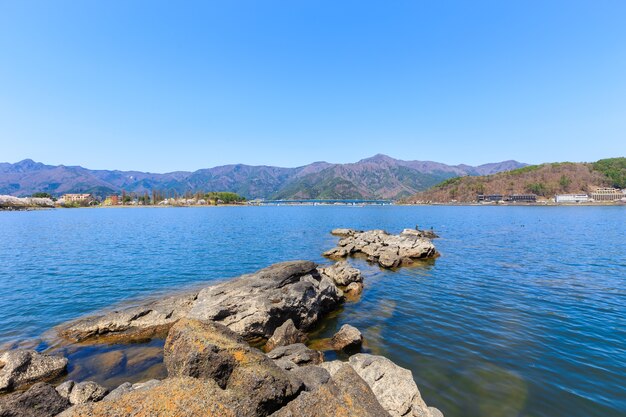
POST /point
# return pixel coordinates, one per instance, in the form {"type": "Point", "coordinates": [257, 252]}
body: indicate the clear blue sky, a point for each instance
{"type": "Point", "coordinates": [163, 86]}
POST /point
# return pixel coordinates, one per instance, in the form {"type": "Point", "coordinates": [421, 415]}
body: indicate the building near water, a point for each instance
{"type": "Point", "coordinates": [571, 198]}
{"type": "Point", "coordinates": [522, 198]}
{"type": "Point", "coordinates": [78, 198]}
{"type": "Point", "coordinates": [490, 197]}
{"type": "Point", "coordinates": [607, 194]}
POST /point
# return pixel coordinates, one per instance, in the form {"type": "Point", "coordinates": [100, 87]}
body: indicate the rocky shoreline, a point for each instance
{"type": "Point", "coordinates": [213, 368]}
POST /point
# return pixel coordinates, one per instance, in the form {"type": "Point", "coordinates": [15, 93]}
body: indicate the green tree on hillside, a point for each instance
{"type": "Point", "coordinates": [614, 169]}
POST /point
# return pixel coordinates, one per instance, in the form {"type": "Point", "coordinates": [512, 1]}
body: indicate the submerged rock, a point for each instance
{"type": "Point", "coordinates": [347, 338]}
{"type": "Point", "coordinates": [285, 334]}
{"type": "Point", "coordinates": [389, 251]}
{"type": "Point", "coordinates": [22, 367]}
{"type": "Point", "coordinates": [41, 400]}
{"type": "Point", "coordinates": [345, 394]}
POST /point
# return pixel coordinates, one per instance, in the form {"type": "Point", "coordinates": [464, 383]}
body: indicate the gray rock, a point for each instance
{"type": "Point", "coordinates": [41, 400]}
{"type": "Point", "coordinates": [252, 305]}
{"type": "Point", "coordinates": [115, 394]}
{"type": "Point", "coordinates": [347, 338]}
{"type": "Point", "coordinates": [434, 412]}
{"type": "Point", "coordinates": [21, 367]}
{"type": "Point", "coordinates": [154, 314]}
{"type": "Point", "coordinates": [255, 305]}
{"type": "Point", "coordinates": [88, 391]}
{"type": "Point", "coordinates": [284, 335]}
{"type": "Point", "coordinates": [127, 387]}
{"type": "Point", "coordinates": [313, 376]}
{"type": "Point", "coordinates": [393, 386]}
{"type": "Point", "coordinates": [342, 273]}
{"type": "Point", "coordinates": [289, 357]}
{"type": "Point", "coordinates": [345, 394]}
{"type": "Point", "coordinates": [389, 251]}
{"type": "Point", "coordinates": [65, 388]}
{"type": "Point", "coordinates": [332, 367]}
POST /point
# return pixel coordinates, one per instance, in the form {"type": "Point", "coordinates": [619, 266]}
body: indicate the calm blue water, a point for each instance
{"type": "Point", "coordinates": [524, 314]}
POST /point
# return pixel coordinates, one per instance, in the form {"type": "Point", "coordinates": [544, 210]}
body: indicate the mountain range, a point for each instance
{"type": "Point", "coordinates": [378, 177]}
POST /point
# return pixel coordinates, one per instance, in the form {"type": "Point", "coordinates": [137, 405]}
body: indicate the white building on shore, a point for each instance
{"type": "Point", "coordinates": [571, 198]}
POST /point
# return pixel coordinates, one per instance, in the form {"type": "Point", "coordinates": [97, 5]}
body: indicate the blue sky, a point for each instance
{"type": "Point", "coordinates": [163, 86]}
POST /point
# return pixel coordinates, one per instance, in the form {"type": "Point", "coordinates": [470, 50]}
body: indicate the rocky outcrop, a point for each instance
{"type": "Point", "coordinates": [292, 356]}
{"type": "Point", "coordinates": [347, 338]}
{"type": "Point", "coordinates": [21, 367]}
{"type": "Point", "coordinates": [255, 305]}
{"type": "Point", "coordinates": [393, 386]}
{"type": "Point", "coordinates": [286, 334]}
{"type": "Point", "coordinates": [252, 305]}
{"type": "Point", "coordinates": [342, 273]}
{"type": "Point", "coordinates": [389, 251]}
{"type": "Point", "coordinates": [41, 400]}
{"type": "Point", "coordinates": [156, 314]}
{"type": "Point", "coordinates": [345, 394]}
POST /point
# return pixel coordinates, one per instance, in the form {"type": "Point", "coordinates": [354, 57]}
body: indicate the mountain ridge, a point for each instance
{"type": "Point", "coordinates": [379, 176]}
{"type": "Point", "coordinates": [544, 180]}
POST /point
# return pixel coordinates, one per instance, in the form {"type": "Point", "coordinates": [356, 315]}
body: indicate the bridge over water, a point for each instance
{"type": "Point", "coordinates": [323, 202]}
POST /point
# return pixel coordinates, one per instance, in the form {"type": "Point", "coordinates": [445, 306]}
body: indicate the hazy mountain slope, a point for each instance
{"type": "Point", "coordinates": [376, 177]}
{"type": "Point", "coordinates": [545, 180]}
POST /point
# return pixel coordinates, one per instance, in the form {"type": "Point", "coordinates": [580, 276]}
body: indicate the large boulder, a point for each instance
{"type": "Point", "coordinates": [347, 338]}
{"type": "Point", "coordinates": [22, 367]}
{"type": "Point", "coordinates": [345, 394]}
{"type": "Point", "coordinates": [41, 400]}
{"type": "Point", "coordinates": [255, 305]}
{"type": "Point", "coordinates": [389, 251]}
{"type": "Point", "coordinates": [201, 350]}
{"type": "Point", "coordinates": [208, 350]}
{"type": "Point", "coordinates": [252, 305]}
{"type": "Point", "coordinates": [286, 334]}
{"type": "Point", "coordinates": [393, 386]}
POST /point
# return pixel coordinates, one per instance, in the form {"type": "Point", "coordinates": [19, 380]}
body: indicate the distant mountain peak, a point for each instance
{"type": "Point", "coordinates": [378, 158]}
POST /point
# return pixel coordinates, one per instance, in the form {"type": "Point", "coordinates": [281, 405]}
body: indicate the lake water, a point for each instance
{"type": "Point", "coordinates": [524, 314]}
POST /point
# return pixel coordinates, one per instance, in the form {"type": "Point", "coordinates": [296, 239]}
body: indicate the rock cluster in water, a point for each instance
{"type": "Point", "coordinates": [389, 251]}
{"type": "Point", "coordinates": [211, 368]}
